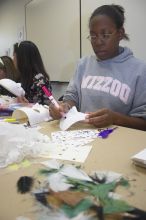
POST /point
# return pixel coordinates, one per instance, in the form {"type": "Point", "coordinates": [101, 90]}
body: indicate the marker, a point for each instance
{"type": "Point", "coordinates": [8, 119]}
{"type": "Point", "coordinates": [50, 96]}
{"type": "Point", "coordinates": [52, 99]}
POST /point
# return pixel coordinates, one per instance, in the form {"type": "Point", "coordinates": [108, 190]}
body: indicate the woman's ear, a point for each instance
{"type": "Point", "coordinates": [121, 33]}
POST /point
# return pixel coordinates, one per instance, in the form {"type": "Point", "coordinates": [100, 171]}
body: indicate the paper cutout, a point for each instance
{"type": "Point", "coordinates": [5, 100]}
{"type": "Point", "coordinates": [71, 118]}
{"type": "Point", "coordinates": [57, 182]}
{"type": "Point", "coordinates": [25, 163]}
{"type": "Point", "coordinates": [52, 164]}
{"type": "Point", "coordinates": [35, 114]}
{"type": "Point", "coordinates": [109, 176]}
{"type": "Point", "coordinates": [140, 158]}
{"type": "Point", "coordinates": [13, 87]}
{"type": "Point", "coordinates": [75, 173]}
{"type": "Point", "coordinates": [14, 167]}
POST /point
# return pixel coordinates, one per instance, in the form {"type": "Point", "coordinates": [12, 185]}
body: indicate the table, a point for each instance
{"type": "Point", "coordinates": [112, 154]}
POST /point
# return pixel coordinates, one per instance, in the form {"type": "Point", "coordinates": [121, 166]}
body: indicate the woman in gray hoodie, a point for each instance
{"type": "Point", "coordinates": [110, 86]}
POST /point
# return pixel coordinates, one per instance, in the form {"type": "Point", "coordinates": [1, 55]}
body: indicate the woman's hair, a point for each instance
{"type": "Point", "coordinates": [115, 12]}
{"type": "Point", "coordinates": [7, 65]}
{"type": "Point", "coordinates": [29, 63]}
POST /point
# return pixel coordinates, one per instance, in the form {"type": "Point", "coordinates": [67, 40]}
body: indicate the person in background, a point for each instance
{"type": "Point", "coordinates": [110, 86]}
{"type": "Point", "coordinates": [7, 69]}
{"type": "Point", "coordinates": [29, 63]}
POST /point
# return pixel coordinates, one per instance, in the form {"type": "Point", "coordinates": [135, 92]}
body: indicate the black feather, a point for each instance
{"type": "Point", "coordinates": [41, 197]}
{"type": "Point", "coordinates": [25, 184]}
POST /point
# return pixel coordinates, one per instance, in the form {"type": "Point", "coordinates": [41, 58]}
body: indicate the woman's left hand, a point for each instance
{"type": "Point", "coordinates": [101, 118]}
{"type": "Point", "coordinates": [22, 99]}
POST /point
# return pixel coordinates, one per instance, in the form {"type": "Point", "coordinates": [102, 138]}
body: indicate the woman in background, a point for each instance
{"type": "Point", "coordinates": [33, 75]}
{"type": "Point", "coordinates": [7, 69]}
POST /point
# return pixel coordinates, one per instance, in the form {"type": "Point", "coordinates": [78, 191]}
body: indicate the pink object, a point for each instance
{"type": "Point", "coordinates": [50, 96]}
{"type": "Point", "coordinates": [52, 99]}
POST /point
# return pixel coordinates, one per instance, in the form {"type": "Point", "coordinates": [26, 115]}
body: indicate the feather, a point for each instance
{"type": "Point", "coordinates": [105, 133]}
{"type": "Point", "coordinates": [25, 184]}
{"type": "Point", "coordinates": [41, 197]}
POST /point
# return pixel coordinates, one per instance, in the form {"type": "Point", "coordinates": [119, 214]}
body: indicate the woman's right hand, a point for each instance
{"type": "Point", "coordinates": [57, 113]}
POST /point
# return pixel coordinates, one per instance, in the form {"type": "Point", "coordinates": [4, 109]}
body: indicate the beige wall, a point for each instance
{"type": "Point", "coordinates": [12, 19]}
{"type": "Point", "coordinates": [58, 37]}
{"type": "Point", "coordinates": [54, 26]}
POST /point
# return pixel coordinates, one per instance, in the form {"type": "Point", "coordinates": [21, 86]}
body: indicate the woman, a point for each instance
{"type": "Point", "coordinates": [33, 75]}
{"type": "Point", "coordinates": [7, 69]}
{"type": "Point", "coordinates": [110, 86]}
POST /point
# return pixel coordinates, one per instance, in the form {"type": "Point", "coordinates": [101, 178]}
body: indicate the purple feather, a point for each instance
{"type": "Point", "coordinates": [105, 133]}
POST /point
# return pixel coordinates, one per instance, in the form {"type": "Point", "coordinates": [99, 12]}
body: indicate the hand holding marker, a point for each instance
{"type": "Point", "coordinates": [52, 99]}
{"type": "Point", "coordinates": [49, 94]}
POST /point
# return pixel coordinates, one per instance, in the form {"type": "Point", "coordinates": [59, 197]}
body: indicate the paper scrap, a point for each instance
{"type": "Point", "coordinates": [71, 118]}
{"type": "Point", "coordinates": [52, 164]}
{"type": "Point", "coordinates": [74, 172]}
{"type": "Point", "coordinates": [75, 154]}
{"type": "Point", "coordinates": [140, 158]}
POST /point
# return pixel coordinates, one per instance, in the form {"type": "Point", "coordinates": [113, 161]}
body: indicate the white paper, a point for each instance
{"type": "Point", "coordinates": [72, 145]}
{"type": "Point", "coordinates": [75, 154]}
{"type": "Point", "coordinates": [52, 164]}
{"type": "Point", "coordinates": [140, 157]}
{"type": "Point", "coordinates": [109, 176]}
{"type": "Point", "coordinates": [5, 100]}
{"type": "Point", "coordinates": [57, 182]}
{"type": "Point", "coordinates": [35, 114]}
{"type": "Point", "coordinates": [13, 87]}
{"type": "Point", "coordinates": [73, 172]}
{"type": "Point", "coordinates": [71, 118]}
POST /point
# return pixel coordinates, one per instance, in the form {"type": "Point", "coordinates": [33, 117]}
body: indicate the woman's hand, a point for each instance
{"type": "Point", "coordinates": [22, 99]}
{"type": "Point", "coordinates": [57, 113]}
{"type": "Point", "coordinates": [100, 118]}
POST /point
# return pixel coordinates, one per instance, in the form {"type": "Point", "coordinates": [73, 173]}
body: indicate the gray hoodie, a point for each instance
{"type": "Point", "coordinates": [118, 84]}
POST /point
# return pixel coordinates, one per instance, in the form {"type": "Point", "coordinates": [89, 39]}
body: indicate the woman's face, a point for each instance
{"type": "Point", "coordinates": [105, 37]}
{"type": "Point", "coordinates": [2, 74]}
{"type": "Point", "coordinates": [15, 60]}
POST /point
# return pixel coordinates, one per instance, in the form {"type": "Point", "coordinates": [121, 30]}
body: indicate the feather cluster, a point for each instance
{"type": "Point", "coordinates": [69, 193]}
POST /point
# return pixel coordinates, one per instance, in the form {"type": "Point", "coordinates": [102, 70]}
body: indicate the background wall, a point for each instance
{"type": "Point", "coordinates": [61, 49]}
{"type": "Point", "coordinates": [12, 20]}
{"type": "Point", "coordinates": [54, 26]}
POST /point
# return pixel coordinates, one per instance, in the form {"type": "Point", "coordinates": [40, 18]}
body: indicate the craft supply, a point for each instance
{"type": "Point", "coordinates": [52, 99]}
{"type": "Point", "coordinates": [72, 193]}
{"type": "Point", "coordinates": [50, 96]}
{"type": "Point", "coordinates": [105, 133]}
{"type": "Point", "coordinates": [140, 158]}
{"type": "Point", "coordinates": [25, 184]}
{"type": "Point", "coordinates": [8, 120]}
